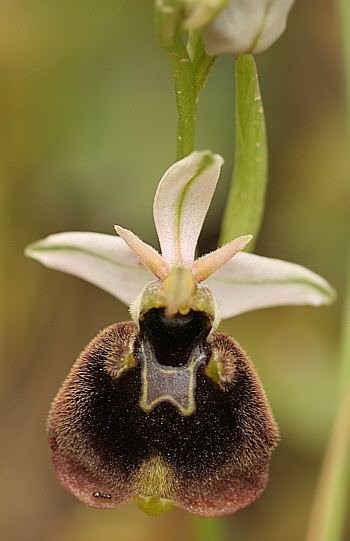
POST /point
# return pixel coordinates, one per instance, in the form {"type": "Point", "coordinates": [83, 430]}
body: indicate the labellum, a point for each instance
{"type": "Point", "coordinates": [163, 411]}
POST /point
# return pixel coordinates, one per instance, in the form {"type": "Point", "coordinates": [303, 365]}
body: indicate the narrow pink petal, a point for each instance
{"type": "Point", "coordinates": [148, 255]}
{"type": "Point", "coordinates": [210, 263]}
{"type": "Point", "coordinates": [181, 203]}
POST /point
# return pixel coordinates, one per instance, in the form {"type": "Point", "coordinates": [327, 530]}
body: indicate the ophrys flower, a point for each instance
{"type": "Point", "coordinates": [163, 409]}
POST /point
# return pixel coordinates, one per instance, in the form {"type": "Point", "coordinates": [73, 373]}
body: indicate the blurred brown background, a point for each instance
{"type": "Point", "coordinates": [87, 128]}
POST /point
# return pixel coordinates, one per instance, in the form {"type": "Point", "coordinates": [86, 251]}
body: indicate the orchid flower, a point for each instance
{"type": "Point", "coordinates": [163, 409]}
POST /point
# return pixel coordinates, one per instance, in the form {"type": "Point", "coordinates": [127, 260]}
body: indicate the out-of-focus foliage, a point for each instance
{"type": "Point", "coordinates": [88, 122]}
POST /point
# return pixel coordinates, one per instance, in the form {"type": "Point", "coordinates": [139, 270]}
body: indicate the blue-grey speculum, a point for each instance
{"type": "Point", "coordinates": [171, 350]}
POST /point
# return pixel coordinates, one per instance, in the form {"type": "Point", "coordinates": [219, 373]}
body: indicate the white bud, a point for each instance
{"type": "Point", "coordinates": [246, 26]}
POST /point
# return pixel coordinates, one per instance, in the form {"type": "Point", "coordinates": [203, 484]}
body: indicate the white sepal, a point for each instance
{"type": "Point", "coordinates": [248, 282]}
{"type": "Point", "coordinates": [103, 260]}
{"type": "Point", "coordinates": [181, 202]}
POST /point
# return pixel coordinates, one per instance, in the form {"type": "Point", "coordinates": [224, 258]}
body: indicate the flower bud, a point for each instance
{"type": "Point", "coordinates": [246, 26]}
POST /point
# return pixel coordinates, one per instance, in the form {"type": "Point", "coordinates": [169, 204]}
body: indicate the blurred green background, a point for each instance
{"type": "Point", "coordinates": [88, 123]}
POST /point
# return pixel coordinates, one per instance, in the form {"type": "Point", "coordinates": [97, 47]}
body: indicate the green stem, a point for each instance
{"type": "Point", "coordinates": [246, 201]}
{"type": "Point", "coordinates": [185, 92]}
{"type": "Point", "coordinates": [209, 529]}
{"type": "Point", "coordinates": [167, 21]}
{"type": "Point", "coordinates": [330, 503]}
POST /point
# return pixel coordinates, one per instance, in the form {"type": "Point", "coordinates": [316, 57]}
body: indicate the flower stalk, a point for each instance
{"type": "Point", "coordinates": [169, 36]}
{"type": "Point", "coordinates": [190, 65]}
{"type": "Point", "coordinates": [185, 93]}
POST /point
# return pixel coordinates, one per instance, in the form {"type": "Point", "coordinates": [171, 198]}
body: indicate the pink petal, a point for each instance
{"type": "Point", "coordinates": [210, 263]}
{"type": "Point", "coordinates": [148, 255]}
